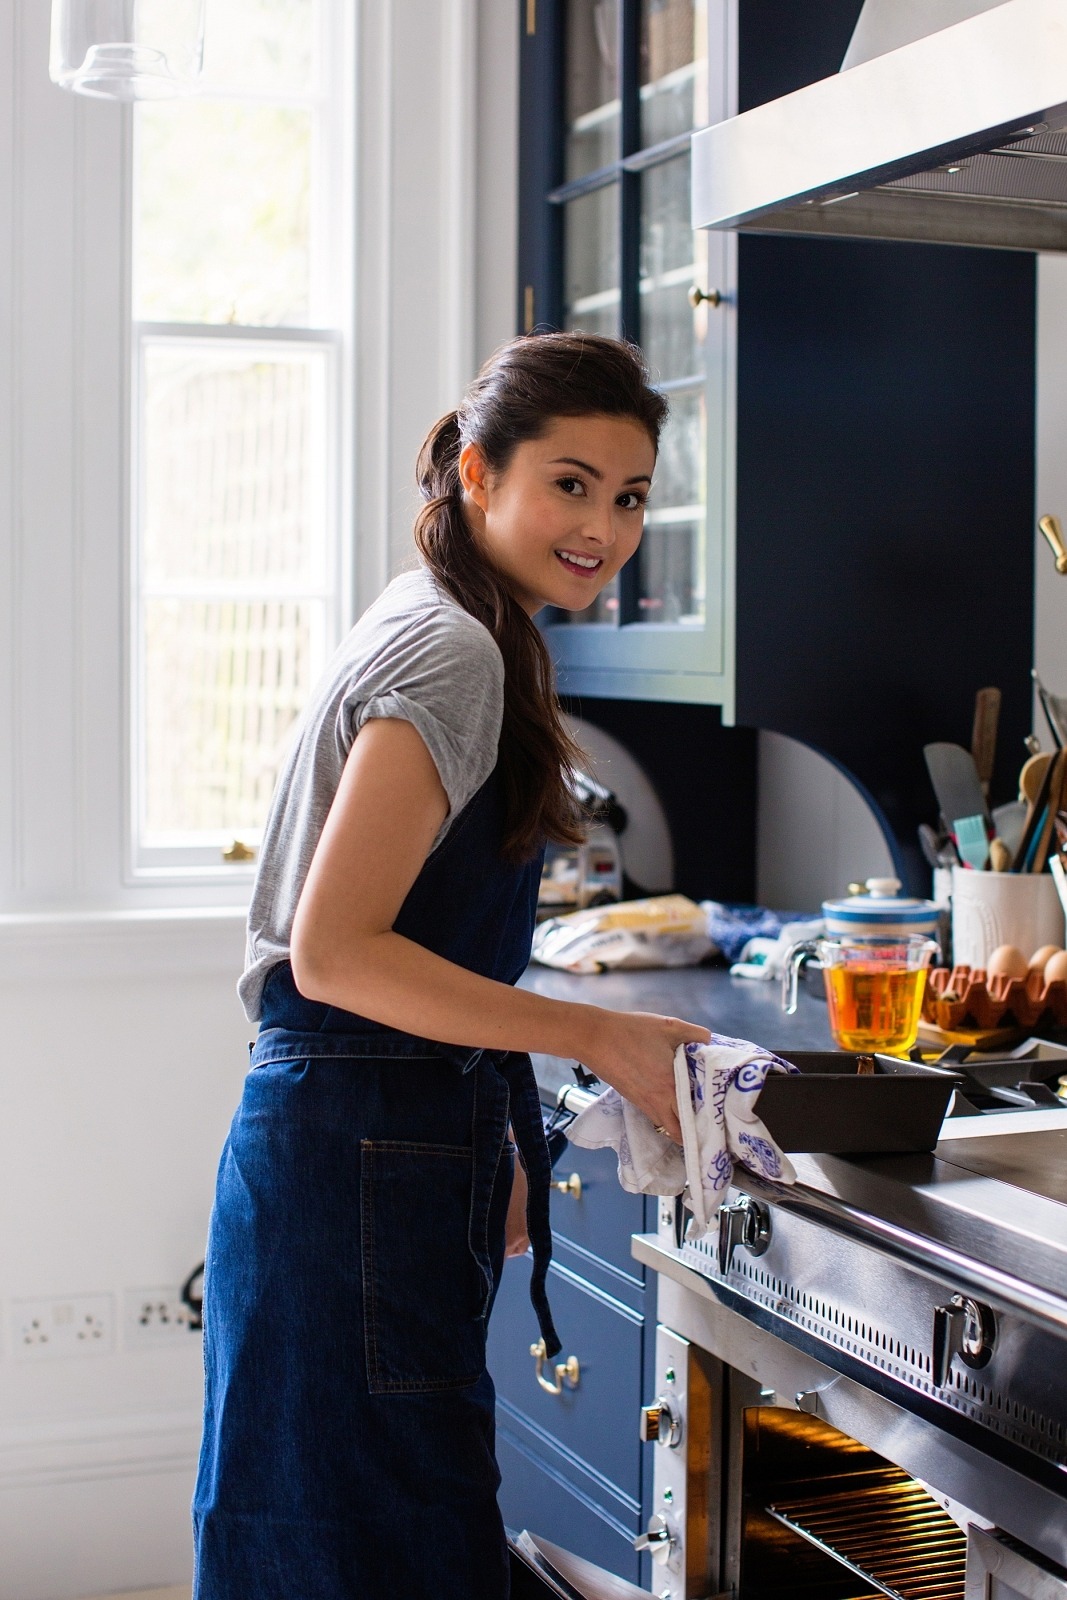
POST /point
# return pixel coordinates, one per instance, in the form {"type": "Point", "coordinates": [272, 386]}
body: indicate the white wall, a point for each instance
{"type": "Point", "coordinates": [815, 833]}
{"type": "Point", "coordinates": [124, 1046]}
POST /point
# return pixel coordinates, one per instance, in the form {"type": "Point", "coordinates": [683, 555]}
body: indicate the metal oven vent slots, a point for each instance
{"type": "Point", "coordinates": [859, 1336]}
{"type": "Point", "coordinates": [888, 1531]}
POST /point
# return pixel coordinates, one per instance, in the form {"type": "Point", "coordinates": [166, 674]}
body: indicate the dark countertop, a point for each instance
{"type": "Point", "coordinates": [984, 1194]}
{"type": "Point", "coordinates": [744, 1008]}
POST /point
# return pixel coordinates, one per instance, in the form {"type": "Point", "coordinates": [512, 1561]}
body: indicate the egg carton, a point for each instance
{"type": "Point", "coordinates": [967, 997]}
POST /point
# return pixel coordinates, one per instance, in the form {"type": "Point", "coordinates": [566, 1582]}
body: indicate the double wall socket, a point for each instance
{"type": "Point", "coordinates": [87, 1324]}
{"type": "Point", "coordinates": [67, 1325]}
{"type": "Point", "coordinates": [154, 1316]}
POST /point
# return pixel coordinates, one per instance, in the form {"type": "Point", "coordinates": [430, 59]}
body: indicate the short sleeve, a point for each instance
{"type": "Point", "coordinates": [443, 674]}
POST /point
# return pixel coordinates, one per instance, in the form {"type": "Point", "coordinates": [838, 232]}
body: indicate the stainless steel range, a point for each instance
{"type": "Point", "coordinates": [862, 1380]}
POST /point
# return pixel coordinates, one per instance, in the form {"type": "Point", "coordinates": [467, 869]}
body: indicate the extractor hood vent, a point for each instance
{"type": "Point", "coordinates": [957, 137]}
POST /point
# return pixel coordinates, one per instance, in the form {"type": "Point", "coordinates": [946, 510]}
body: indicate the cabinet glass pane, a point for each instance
{"type": "Point", "coordinates": [591, 262]}
{"type": "Point", "coordinates": [591, 75]}
{"type": "Point", "coordinates": [671, 560]}
{"type": "Point", "coordinates": [674, 68]}
{"type": "Point", "coordinates": [673, 258]}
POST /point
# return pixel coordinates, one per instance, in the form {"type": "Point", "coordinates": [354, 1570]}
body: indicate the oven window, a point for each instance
{"type": "Point", "coordinates": [826, 1518]}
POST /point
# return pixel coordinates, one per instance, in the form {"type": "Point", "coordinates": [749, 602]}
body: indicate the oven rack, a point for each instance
{"type": "Point", "coordinates": [890, 1533]}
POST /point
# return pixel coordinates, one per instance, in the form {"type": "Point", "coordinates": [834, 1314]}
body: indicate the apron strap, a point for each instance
{"type": "Point", "coordinates": [528, 1124]}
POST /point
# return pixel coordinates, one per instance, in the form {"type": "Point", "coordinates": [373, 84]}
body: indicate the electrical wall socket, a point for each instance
{"type": "Point", "coordinates": [154, 1316]}
{"type": "Point", "coordinates": [67, 1325]}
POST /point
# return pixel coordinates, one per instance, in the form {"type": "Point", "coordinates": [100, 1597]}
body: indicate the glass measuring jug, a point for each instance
{"type": "Point", "coordinates": [874, 988]}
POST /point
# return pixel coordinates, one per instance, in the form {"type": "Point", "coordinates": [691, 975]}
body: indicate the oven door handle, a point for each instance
{"type": "Point", "coordinates": [928, 1256]}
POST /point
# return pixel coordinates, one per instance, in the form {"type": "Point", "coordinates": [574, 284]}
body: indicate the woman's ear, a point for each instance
{"type": "Point", "coordinates": [474, 476]}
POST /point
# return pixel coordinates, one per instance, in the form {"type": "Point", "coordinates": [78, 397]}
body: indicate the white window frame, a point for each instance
{"type": "Point", "coordinates": [199, 864]}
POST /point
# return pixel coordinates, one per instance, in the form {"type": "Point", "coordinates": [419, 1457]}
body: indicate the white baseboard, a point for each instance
{"type": "Point", "coordinates": [183, 1592]}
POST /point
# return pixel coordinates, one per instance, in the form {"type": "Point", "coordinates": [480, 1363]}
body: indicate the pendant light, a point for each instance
{"type": "Point", "coordinates": [127, 49]}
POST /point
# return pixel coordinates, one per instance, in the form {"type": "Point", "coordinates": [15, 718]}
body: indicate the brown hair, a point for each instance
{"type": "Point", "coordinates": [518, 392]}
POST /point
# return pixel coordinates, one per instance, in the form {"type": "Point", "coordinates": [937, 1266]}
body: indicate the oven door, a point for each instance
{"type": "Point", "coordinates": [542, 1571]}
{"type": "Point", "coordinates": [999, 1568]}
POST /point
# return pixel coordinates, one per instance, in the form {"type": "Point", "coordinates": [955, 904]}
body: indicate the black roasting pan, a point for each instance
{"type": "Point", "coordinates": [830, 1107]}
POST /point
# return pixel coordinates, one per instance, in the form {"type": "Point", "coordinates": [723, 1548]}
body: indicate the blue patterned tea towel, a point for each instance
{"type": "Point", "coordinates": [717, 1085]}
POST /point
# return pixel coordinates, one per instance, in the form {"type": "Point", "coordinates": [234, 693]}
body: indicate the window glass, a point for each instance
{"type": "Point", "coordinates": [222, 221]}
{"type": "Point", "coordinates": [234, 465]}
{"type": "Point", "coordinates": [261, 46]}
{"type": "Point", "coordinates": [224, 682]}
{"type": "Point", "coordinates": [234, 586]}
{"type": "Point", "coordinates": [242, 211]}
{"type": "Point", "coordinates": [591, 86]}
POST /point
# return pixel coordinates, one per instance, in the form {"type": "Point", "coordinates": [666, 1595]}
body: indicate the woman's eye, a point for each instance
{"type": "Point", "coordinates": [571, 486]}
{"type": "Point", "coordinates": [631, 501]}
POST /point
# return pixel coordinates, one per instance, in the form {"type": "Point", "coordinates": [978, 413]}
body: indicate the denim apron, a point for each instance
{"type": "Point", "coordinates": [355, 1248]}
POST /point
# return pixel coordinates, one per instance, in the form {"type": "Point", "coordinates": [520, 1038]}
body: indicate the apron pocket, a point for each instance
{"type": "Point", "coordinates": [421, 1285]}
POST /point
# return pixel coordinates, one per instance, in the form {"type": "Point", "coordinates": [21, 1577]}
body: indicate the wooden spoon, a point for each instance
{"type": "Point", "coordinates": [1034, 783]}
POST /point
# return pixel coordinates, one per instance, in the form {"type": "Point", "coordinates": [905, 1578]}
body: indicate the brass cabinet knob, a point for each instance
{"type": "Point", "coordinates": [568, 1371]}
{"type": "Point", "coordinates": [1050, 527]}
{"type": "Point", "coordinates": [571, 1185]}
{"type": "Point", "coordinates": [698, 296]}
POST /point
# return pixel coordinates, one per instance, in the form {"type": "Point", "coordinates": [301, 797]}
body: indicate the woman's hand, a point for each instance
{"type": "Point", "coordinates": [634, 1052]}
{"type": "Point", "coordinates": [516, 1239]}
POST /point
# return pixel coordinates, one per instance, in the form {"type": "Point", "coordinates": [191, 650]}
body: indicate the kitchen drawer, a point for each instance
{"type": "Point", "coordinates": [534, 1495]}
{"type": "Point", "coordinates": [597, 1421]}
{"type": "Point", "coordinates": [600, 1220]}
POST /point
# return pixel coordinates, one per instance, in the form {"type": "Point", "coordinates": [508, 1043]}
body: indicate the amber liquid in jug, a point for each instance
{"type": "Point", "coordinates": [874, 1007]}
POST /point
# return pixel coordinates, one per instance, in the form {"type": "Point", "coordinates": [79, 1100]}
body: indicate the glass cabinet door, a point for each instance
{"type": "Point", "coordinates": [635, 78]}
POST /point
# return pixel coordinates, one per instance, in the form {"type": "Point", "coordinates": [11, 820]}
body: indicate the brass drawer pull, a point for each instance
{"type": "Point", "coordinates": [1050, 527]}
{"type": "Point", "coordinates": [571, 1185]}
{"type": "Point", "coordinates": [698, 297]}
{"type": "Point", "coordinates": [566, 1371]}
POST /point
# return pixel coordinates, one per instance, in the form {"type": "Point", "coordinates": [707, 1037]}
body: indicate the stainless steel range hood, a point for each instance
{"type": "Point", "coordinates": [956, 137]}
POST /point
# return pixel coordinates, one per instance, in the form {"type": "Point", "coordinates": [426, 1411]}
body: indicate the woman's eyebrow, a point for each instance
{"type": "Point", "coordinates": [594, 472]}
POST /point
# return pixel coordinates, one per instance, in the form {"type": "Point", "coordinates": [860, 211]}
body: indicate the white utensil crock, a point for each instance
{"type": "Point", "coordinates": [995, 908]}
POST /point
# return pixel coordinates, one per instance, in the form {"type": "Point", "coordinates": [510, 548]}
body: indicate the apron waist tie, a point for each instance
{"type": "Point", "coordinates": [529, 1128]}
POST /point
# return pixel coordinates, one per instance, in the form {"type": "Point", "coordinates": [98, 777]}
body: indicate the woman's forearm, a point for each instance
{"type": "Point", "coordinates": [394, 981]}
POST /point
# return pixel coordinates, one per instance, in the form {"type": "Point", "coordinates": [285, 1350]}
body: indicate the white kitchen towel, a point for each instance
{"type": "Point", "coordinates": [716, 1086]}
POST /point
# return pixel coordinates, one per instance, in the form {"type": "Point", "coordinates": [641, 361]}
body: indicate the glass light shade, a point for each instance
{"type": "Point", "coordinates": [127, 49]}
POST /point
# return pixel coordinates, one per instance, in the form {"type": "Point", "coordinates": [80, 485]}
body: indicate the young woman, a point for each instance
{"type": "Point", "coordinates": [366, 1196]}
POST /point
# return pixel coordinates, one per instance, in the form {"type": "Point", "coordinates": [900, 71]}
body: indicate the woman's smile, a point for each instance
{"type": "Point", "coordinates": [582, 566]}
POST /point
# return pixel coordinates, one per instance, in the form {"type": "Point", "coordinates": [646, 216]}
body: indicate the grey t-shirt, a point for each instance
{"type": "Point", "coordinates": [414, 654]}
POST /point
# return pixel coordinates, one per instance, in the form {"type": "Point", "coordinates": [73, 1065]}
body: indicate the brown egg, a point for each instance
{"type": "Point", "coordinates": [1007, 962]}
{"type": "Point", "coordinates": [1056, 967]}
{"type": "Point", "coordinates": [1040, 958]}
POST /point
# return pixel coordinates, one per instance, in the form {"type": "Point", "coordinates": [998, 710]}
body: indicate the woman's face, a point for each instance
{"type": "Point", "coordinates": [567, 511]}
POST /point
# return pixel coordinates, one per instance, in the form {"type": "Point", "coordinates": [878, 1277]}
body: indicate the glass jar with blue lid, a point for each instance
{"type": "Point", "coordinates": [879, 911]}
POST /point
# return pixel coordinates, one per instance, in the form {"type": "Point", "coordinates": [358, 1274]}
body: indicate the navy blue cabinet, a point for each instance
{"type": "Point", "coordinates": [839, 544]}
{"type": "Point", "coordinates": [572, 1464]}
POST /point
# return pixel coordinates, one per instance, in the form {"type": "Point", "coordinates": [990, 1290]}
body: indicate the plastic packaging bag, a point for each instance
{"type": "Point", "coordinates": [666, 931]}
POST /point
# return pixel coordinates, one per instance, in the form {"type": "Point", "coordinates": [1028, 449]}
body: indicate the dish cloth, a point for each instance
{"type": "Point", "coordinates": [716, 1086]}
